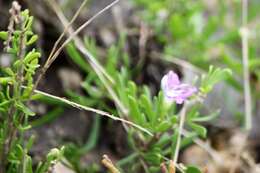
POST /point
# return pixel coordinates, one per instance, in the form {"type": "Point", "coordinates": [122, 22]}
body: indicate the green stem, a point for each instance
{"type": "Point", "coordinates": [182, 120]}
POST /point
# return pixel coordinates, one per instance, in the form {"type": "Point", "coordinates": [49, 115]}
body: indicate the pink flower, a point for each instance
{"type": "Point", "coordinates": [174, 90]}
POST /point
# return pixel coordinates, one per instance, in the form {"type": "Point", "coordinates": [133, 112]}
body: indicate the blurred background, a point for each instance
{"type": "Point", "coordinates": [150, 37]}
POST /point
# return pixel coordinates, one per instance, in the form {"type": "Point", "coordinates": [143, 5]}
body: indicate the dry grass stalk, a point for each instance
{"type": "Point", "coordinates": [109, 164]}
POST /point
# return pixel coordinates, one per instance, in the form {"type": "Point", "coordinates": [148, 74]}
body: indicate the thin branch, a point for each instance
{"type": "Point", "coordinates": [178, 166]}
{"type": "Point", "coordinates": [171, 167]}
{"type": "Point", "coordinates": [180, 129]}
{"type": "Point", "coordinates": [93, 62]}
{"type": "Point", "coordinates": [67, 27]}
{"type": "Point", "coordinates": [109, 164]}
{"type": "Point", "coordinates": [72, 35]}
{"type": "Point", "coordinates": [246, 74]}
{"type": "Point", "coordinates": [75, 33]}
{"type": "Point", "coordinates": [86, 108]}
{"type": "Point", "coordinates": [244, 32]}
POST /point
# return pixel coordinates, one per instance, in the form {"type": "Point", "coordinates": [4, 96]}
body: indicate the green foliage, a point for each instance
{"type": "Point", "coordinates": [192, 169]}
{"type": "Point", "coordinates": [15, 93]}
{"type": "Point", "coordinates": [183, 30]}
{"type": "Point", "coordinates": [214, 76]}
{"type": "Point", "coordinates": [203, 33]}
{"type": "Point", "coordinates": [151, 112]}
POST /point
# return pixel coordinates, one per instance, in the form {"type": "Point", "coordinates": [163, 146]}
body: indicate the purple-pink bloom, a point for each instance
{"type": "Point", "coordinates": [174, 90]}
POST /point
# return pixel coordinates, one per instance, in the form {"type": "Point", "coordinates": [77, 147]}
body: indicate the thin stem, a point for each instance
{"type": "Point", "coordinates": [244, 32]}
{"type": "Point", "coordinates": [103, 76]}
{"type": "Point", "coordinates": [246, 74]}
{"type": "Point", "coordinates": [44, 69]}
{"type": "Point", "coordinates": [67, 27]}
{"type": "Point", "coordinates": [180, 129]}
{"type": "Point", "coordinates": [100, 112]}
{"type": "Point", "coordinates": [72, 36]}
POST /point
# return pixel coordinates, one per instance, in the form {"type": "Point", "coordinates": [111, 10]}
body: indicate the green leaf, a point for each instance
{"type": "Point", "coordinates": [174, 119]}
{"type": "Point", "coordinates": [3, 35]}
{"type": "Point", "coordinates": [135, 111]}
{"type": "Point", "coordinates": [210, 117]}
{"type": "Point", "coordinates": [19, 151]}
{"type": "Point", "coordinates": [163, 126]}
{"type": "Point", "coordinates": [187, 140]}
{"type": "Point", "coordinates": [31, 56]}
{"type": "Point", "coordinates": [24, 109]}
{"type": "Point", "coordinates": [28, 165]}
{"type": "Point", "coordinates": [193, 113]}
{"type": "Point", "coordinates": [29, 23]}
{"type": "Point", "coordinates": [6, 102]}
{"type": "Point", "coordinates": [24, 127]}
{"type": "Point", "coordinates": [192, 169]}
{"type": "Point", "coordinates": [17, 64]}
{"type": "Point", "coordinates": [120, 89]}
{"type": "Point", "coordinates": [55, 154]}
{"type": "Point", "coordinates": [164, 140]}
{"type": "Point", "coordinates": [174, 140]}
{"type": "Point", "coordinates": [32, 40]}
{"type": "Point", "coordinates": [214, 75]}
{"type": "Point", "coordinates": [202, 131]}
{"type": "Point", "coordinates": [30, 142]}
{"type": "Point", "coordinates": [77, 58]}
{"type": "Point", "coordinates": [147, 106]}
{"type": "Point", "coordinates": [153, 156]}
{"type": "Point", "coordinates": [254, 63]}
{"type": "Point", "coordinates": [160, 111]}
{"type": "Point", "coordinates": [9, 71]}
{"type": "Point", "coordinates": [6, 80]}
{"type": "Point", "coordinates": [132, 89]}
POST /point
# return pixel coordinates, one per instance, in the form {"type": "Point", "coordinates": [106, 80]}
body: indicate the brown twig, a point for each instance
{"type": "Point", "coordinates": [171, 167]}
{"type": "Point", "coordinates": [15, 18]}
{"type": "Point", "coordinates": [163, 168]}
{"type": "Point", "coordinates": [109, 164]}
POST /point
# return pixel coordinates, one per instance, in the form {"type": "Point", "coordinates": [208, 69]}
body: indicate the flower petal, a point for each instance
{"type": "Point", "coordinates": [174, 90]}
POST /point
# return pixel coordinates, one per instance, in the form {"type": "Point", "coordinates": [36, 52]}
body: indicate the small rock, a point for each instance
{"type": "Point", "coordinates": [5, 60]}
{"type": "Point", "coordinates": [70, 79]}
{"type": "Point", "coordinates": [60, 168]}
